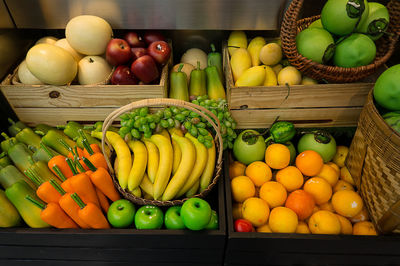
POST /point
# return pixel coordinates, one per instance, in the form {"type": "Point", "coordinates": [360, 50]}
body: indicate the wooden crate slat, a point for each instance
{"type": "Point", "coordinates": [310, 117]}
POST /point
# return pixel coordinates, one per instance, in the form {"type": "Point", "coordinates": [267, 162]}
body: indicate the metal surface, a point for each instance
{"type": "Point", "coordinates": [5, 19]}
{"type": "Point", "coordinates": [152, 14]}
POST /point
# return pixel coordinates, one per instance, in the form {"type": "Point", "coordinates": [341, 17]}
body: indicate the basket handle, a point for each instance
{"type": "Point", "coordinates": [163, 102]}
{"type": "Point", "coordinates": [394, 14]}
{"type": "Point", "coordinates": [291, 16]}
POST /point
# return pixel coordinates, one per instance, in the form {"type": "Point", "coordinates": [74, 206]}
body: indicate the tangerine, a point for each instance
{"type": "Point", "coordinates": [329, 174]}
{"type": "Point", "coordinates": [301, 202]}
{"type": "Point", "coordinates": [364, 228]}
{"type": "Point", "coordinates": [302, 228]}
{"type": "Point", "coordinates": [259, 172]}
{"type": "Point", "coordinates": [283, 220]}
{"type": "Point", "coordinates": [256, 211]}
{"type": "Point", "coordinates": [273, 193]}
{"type": "Point", "coordinates": [290, 177]}
{"type": "Point", "coordinates": [324, 222]}
{"type": "Point", "coordinates": [342, 185]}
{"type": "Point", "coordinates": [277, 156]}
{"type": "Point", "coordinates": [319, 188]}
{"type": "Point", "coordinates": [242, 188]}
{"type": "Point", "coordinates": [347, 203]}
{"type": "Point", "coordinates": [346, 228]}
{"type": "Point", "coordinates": [236, 168]}
{"type": "Point", "coordinates": [309, 162]}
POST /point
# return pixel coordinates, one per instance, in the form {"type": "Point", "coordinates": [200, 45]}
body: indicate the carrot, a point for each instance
{"type": "Point", "coordinates": [103, 181]}
{"type": "Point", "coordinates": [78, 152]}
{"type": "Point", "coordinates": [98, 160]}
{"type": "Point", "coordinates": [53, 214]}
{"type": "Point", "coordinates": [82, 185]}
{"type": "Point", "coordinates": [95, 149]}
{"type": "Point", "coordinates": [82, 168]}
{"type": "Point", "coordinates": [61, 163]}
{"type": "Point", "coordinates": [103, 200]}
{"type": "Point", "coordinates": [45, 190]}
{"type": "Point", "coordinates": [91, 214]}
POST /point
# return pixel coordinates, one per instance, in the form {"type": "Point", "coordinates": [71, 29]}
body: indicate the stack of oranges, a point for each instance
{"type": "Point", "coordinates": [307, 197]}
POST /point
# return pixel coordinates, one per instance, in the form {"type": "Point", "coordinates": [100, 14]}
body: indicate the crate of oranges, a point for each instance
{"type": "Point", "coordinates": [290, 194]}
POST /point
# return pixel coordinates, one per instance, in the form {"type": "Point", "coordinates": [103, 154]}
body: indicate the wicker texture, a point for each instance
{"type": "Point", "coordinates": [165, 102]}
{"type": "Point", "coordinates": [374, 163]}
{"type": "Point", "coordinates": [291, 26]}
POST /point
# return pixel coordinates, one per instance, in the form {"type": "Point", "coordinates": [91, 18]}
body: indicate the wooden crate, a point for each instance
{"type": "Point", "coordinates": [255, 248]}
{"type": "Point", "coordinates": [55, 105]}
{"type": "Point", "coordinates": [322, 105]}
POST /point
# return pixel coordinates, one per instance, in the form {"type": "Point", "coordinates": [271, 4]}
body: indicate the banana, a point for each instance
{"type": "Point", "coordinates": [254, 49]}
{"type": "Point", "coordinates": [148, 196]}
{"type": "Point", "coordinates": [193, 190]}
{"type": "Point", "coordinates": [184, 169]}
{"type": "Point", "coordinates": [165, 166]}
{"type": "Point", "coordinates": [153, 158]}
{"type": "Point", "coordinates": [137, 192]}
{"type": "Point", "coordinates": [146, 185]}
{"type": "Point", "coordinates": [139, 163]}
{"type": "Point", "coordinates": [177, 150]}
{"type": "Point", "coordinates": [208, 172]}
{"type": "Point", "coordinates": [201, 160]}
{"type": "Point", "coordinates": [165, 133]}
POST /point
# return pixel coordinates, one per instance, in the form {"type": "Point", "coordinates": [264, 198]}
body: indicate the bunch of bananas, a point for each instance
{"type": "Point", "coordinates": [168, 165]}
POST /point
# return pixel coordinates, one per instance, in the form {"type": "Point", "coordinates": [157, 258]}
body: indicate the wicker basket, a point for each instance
{"type": "Point", "coordinates": [165, 102]}
{"type": "Point", "coordinates": [291, 26]}
{"type": "Point", "coordinates": [374, 163]}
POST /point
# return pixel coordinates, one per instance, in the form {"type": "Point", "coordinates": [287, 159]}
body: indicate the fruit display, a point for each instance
{"type": "Point", "coordinates": [259, 63]}
{"type": "Point", "coordinates": [345, 34]}
{"type": "Point", "coordinates": [277, 188]}
{"type": "Point", "coordinates": [58, 177]}
{"type": "Point", "coordinates": [198, 74]}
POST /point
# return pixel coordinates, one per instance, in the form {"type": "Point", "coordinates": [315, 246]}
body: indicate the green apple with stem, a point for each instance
{"type": "Point", "coordinates": [149, 217]}
{"type": "Point", "coordinates": [121, 213]}
{"type": "Point", "coordinates": [196, 213]}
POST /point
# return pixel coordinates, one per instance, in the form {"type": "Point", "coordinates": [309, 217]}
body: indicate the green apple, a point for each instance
{"type": "Point", "coordinates": [121, 213]}
{"type": "Point", "coordinates": [213, 223]}
{"type": "Point", "coordinates": [196, 213]}
{"type": "Point", "coordinates": [149, 217]}
{"type": "Point", "coordinates": [173, 219]}
{"type": "Point", "coordinates": [249, 146]}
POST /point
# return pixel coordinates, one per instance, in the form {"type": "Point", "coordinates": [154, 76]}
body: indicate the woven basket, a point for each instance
{"type": "Point", "coordinates": [374, 163]}
{"type": "Point", "coordinates": [165, 102]}
{"type": "Point", "coordinates": [291, 26]}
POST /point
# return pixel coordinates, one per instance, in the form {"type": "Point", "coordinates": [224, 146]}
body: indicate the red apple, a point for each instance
{"type": "Point", "coordinates": [138, 52]}
{"type": "Point", "coordinates": [153, 36]}
{"type": "Point", "coordinates": [160, 51]}
{"type": "Point", "coordinates": [118, 52]}
{"type": "Point", "coordinates": [145, 69]}
{"type": "Point", "coordinates": [134, 40]}
{"type": "Point", "coordinates": [123, 76]}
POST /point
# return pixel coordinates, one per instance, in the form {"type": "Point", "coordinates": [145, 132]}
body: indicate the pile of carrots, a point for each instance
{"type": "Point", "coordinates": [80, 198]}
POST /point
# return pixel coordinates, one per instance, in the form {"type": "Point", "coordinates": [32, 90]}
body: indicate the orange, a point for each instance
{"type": "Point", "coordinates": [264, 229]}
{"type": "Point", "coordinates": [236, 168]}
{"type": "Point", "coordinates": [302, 228]}
{"type": "Point", "coordinates": [342, 185]}
{"type": "Point", "coordinates": [277, 156]}
{"type": "Point", "coordinates": [301, 202]}
{"type": "Point", "coordinates": [242, 188]}
{"type": "Point", "coordinates": [283, 220]}
{"type": "Point", "coordinates": [361, 216]}
{"type": "Point", "coordinates": [329, 174]}
{"type": "Point", "coordinates": [316, 208]}
{"type": "Point", "coordinates": [364, 228]}
{"type": "Point", "coordinates": [346, 228]}
{"type": "Point", "coordinates": [256, 211]}
{"type": "Point", "coordinates": [347, 203]}
{"type": "Point", "coordinates": [259, 172]}
{"type": "Point", "coordinates": [327, 206]}
{"type": "Point", "coordinates": [319, 188]}
{"type": "Point", "coordinates": [309, 162]}
{"type": "Point", "coordinates": [290, 177]}
{"type": "Point", "coordinates": [273, 193]}
{"type": "Point", "coordinates": [237, 210]}
{"type": "Point", "coordinates": [324, 222]}
{"type": "Point", "coordinates": [334, 166]}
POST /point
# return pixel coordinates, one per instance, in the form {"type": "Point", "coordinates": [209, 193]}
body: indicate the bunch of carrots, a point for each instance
{"type": "Point", "coordinates": [80, 198]}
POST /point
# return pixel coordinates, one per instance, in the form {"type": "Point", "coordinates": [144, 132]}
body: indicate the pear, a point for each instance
{"type": "Point", "coordinates": [271, 54]}
{"type": "Point", "coordinates": [237, 39]}
{"type": "Point", "coordinates": [254, 49]}
{"type": "Point", "coordinates": [253, 76]}
{"type": "Point", "coordinates": [270, 77]}
{"type": "Point", "coordinates": [240, 61]}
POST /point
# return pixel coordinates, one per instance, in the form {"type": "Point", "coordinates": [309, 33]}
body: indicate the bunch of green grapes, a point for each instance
{"type": "Point", "coordinates": [141, 123]}
{"type": "Point", "coordinates": [220, 109]}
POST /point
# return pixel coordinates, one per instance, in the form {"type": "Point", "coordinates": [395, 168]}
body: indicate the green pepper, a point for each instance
{"type": "Point", "coordinates": [10, 174]}
{"type": "Point", "coordinates": [215, 59]}
{"type": "Point", "coordinates": [4, 159]}
{"type": "Point", "coordinates": [215, 89]}
{"type": "Point", "coordinates": [9, 216]}
{"type": "Point", "coordinates": [29, 212]}
{"type": "Point", "coordinates": [281, 132]}
{"type": "Point", "coordinates": [178, 85]}
{"type": "Point", "coordinates": [15, 127]}
{"type": "Point", "coordinates": [42, 128]}
{"type": "Point", "coordinates": [71, 129]}
{"type": "Point", "coordinates": [29, 137]}
{"type": "Point", "coordinates": [8, 142]}
{"type": "Point", "coordinates": [52, 140]}
{"type": "Point", "coordinates": [44, 153]}
{"type": "Point", "coordinates": [41, 169]}
{"type": "Point", "coordinates": [21, 156]}
{"type": "Point", "coordinates": [197, 86]}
